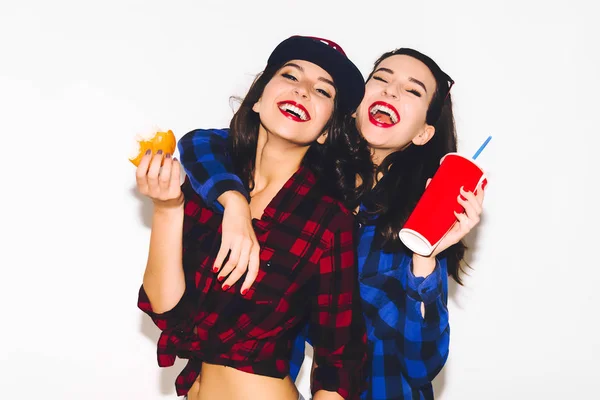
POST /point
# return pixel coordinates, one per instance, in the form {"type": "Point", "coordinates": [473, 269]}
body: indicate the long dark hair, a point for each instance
{"type": "Point", "coordinates": [405, 172]}
{"type": "Point", "coordinates": [336, 163]}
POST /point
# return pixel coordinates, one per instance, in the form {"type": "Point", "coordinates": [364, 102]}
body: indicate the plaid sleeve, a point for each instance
{"type": "Point", "coordinates": [171, 323]}
{"type": "Point", "coordinates": [192, 229]}
{"type": "Point", "coordinates": [425, 340]}
{"type": "Point", "coordinates": [426, 289]}
{"type": "Point", "coordinates": [337, 327]}
{"type": "Point", "coordinates": [170, 319]}
{"type": "Point", "coordinates": [173, 318]}
{"type": "Point", "coordinates": [206, 160]}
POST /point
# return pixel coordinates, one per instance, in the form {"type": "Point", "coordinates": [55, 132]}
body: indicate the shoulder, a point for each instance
{"type": "Point", "coordinates": [340, 218]}
{"type": "Point", "coordinates": [320, 194]}
{"type": "Point", "coordinates": [223, 132]}
{"type": "Point", "coordinates": [336, 207]}
{"type": "Point", "coordinates": [203, 134]}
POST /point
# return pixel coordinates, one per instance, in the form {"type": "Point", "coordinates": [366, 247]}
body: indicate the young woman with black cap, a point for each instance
{"type": "Point", "coordinates": [407, 119]}
{"type": "Point", "coordinates": [290, 145]}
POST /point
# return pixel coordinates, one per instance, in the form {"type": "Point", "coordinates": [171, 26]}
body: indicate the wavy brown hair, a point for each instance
{"type": "Point", "coordinates": [336, 163]}
{"type": "Point", "coordinates": [405, 172]}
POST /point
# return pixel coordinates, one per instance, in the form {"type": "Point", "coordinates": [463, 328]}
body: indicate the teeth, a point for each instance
{"type": "Point", "coordinates": [295, 110]}
{"type": "Point", "coordinates": [387, 110]}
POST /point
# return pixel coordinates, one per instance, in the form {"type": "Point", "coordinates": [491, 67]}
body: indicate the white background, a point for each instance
{"type": "Point", "coordinates": [78, 79]}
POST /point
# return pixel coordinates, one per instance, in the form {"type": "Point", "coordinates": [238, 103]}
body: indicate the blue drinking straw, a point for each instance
{"type": "Point", "coordinates": [482, 147]}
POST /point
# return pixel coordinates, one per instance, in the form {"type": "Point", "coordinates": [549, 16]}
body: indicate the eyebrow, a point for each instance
{"type": "Point", "coordinates": [418, 82]}
{"type": "Point", "coordinates": [389, 71]}
{"type": "Point", "coordinates": [290, 64]}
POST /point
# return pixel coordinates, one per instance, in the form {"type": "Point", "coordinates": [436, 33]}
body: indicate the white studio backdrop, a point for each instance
{"type": "Point", "coordinates": [78, 79]}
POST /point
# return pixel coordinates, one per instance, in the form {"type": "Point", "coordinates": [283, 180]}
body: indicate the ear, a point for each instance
{"type": "Point", "coordinates": [323, 137]}
{"type": "Point", "coordinates": [256, 107]}
{"type": "Point", "coordinates": [425, 136]}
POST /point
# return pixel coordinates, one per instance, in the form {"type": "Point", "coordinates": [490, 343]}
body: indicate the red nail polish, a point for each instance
{"type": "Point", "coordinates": [484, 184]}
{"type": "Point", "coordinates": [215, 270]}
{"type": "Point", "coordinates": [244, 291]}
{"type": "Point", "coordinates": [220, 279]}
{"type": "Point", "coordinates": [225, 287]}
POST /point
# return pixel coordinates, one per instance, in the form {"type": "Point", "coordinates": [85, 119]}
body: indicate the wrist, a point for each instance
{"type": "Point", "coordinates": [423, 266]}
{"type": "Point", "coordinates": [232, 197]}
{"type": "Point", "coordinates": [170, 207]}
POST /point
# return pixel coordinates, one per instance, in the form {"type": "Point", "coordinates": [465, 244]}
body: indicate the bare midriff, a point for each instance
{"type": "Point", "coordinates": [226, 383]}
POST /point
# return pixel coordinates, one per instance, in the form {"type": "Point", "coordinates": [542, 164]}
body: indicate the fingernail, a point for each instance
{"type": "Point", "coordinates": [215, 270]}
{"type": "Point", "coordinates": [461, 197]}
{"type": "Point", "coordinates": [484, 184]}
{"type": "Point", "coordinates": [148, 151]}
{"type": "Point", "coordinates": [168, 155]}
{"type": "Point", "coordinates": [159, 152]}
{"type": "Point", "coordinates": [225, 287]}
{"type": "Point", "coordinates": [244, 291]}
{"type": "Point", "coordinates": [220, 279]}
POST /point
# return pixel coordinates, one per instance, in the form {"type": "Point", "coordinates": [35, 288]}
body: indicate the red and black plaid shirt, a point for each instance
{"type": "Point", "coordinates": [308, 273]}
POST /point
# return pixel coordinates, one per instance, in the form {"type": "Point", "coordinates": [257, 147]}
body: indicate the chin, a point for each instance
{"type": "Point", "coordinates": [291, 135]}
{"type": "Point", "coordinates": [374, 136]}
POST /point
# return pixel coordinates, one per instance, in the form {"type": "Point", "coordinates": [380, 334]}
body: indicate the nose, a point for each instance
{"type": "Point", "coordinates": [390, 91]}
{"type": "Point", "coordinates": [302, 91]}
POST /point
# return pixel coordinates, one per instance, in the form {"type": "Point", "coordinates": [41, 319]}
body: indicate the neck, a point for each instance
{"type": "Point", "coordinates": [276, 160]}
{"type": "Point", "coordinates": [377, 156]}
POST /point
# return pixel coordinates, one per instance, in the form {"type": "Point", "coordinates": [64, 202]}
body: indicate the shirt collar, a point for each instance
{"type": "Point", "coordinates": [289, 197]}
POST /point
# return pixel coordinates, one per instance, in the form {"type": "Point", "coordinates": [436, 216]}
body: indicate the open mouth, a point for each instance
{"type": "Point", "coordinates": [383, 114]}
{"type": "Point", "coordinates": [294, 111]}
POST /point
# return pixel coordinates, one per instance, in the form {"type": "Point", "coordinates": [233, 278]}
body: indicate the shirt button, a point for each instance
{"type": "Point", "coordinates": [268, 263]}
{"type": "Point", "coordinates": [360, 225]}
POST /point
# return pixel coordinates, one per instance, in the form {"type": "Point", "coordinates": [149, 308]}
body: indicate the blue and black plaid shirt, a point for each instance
{"type": "Point", "coordinates": [406, 350]}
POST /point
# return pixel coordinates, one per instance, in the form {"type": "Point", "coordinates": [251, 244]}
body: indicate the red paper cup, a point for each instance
{"type": "Point", "coordinates": [433, 215]}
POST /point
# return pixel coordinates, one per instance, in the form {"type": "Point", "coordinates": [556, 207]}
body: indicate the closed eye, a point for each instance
{"type": "Point", "coordinates": [324, 93]}
{"type": "Point", "coordinates": [378, 78]}
{"type": "Point", "coordinates": [415, 92]}
{"type": "Point", "coordinates": [289, 76]}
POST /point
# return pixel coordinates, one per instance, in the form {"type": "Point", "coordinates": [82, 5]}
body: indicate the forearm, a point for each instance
{"type": "Point", "coordinates": [426, 344]}
{"type": "Point", "coordinates": [428, 357]}
{"type": "Point", "coordinates": [205, 157]}
{"type": "Point", "coordinates": [164, 280]}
